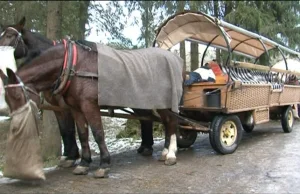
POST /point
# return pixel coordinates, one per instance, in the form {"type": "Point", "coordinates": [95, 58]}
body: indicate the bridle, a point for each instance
{"type": "Point", "coordinates": [27, 89]}
{"type": "Point", "coordinates": [24, 88]}
{"type": "Point", "coordinates": [17, 40]}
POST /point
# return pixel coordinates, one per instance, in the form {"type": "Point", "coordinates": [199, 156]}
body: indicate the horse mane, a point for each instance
{"type": "Point", "coordinates": [86, 45]}
{"type": "Point", "coordinates": [31, 55]}
{"type": "Point", "coordinates": [41, 37]}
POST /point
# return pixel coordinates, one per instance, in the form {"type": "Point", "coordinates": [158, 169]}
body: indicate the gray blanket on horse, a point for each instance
{"type": "Point", "coordinates": [149, 78]}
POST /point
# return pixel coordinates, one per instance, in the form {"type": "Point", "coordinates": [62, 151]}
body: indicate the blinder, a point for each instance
{"type": "Point", "coordinates": [17, 40]}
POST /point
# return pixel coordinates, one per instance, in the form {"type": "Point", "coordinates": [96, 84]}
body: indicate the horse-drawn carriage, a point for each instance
{"type": "Point", "coordinates": [243, 95]}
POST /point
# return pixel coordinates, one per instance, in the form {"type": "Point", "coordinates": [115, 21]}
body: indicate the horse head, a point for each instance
{"type": "Point", "coordinates": [16, 94]}
{"type": "Point", "coordinates": [11, 35]}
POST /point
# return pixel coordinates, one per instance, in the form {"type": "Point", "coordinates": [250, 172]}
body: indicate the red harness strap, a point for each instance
{"type": "Point", "coordinates": [74, 62]}
{"type": "Point", "coordinates": [66, 54]}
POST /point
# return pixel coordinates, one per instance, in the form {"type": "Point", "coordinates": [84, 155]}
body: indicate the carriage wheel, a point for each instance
{"type": "Point", "coordinates": [287, 119]}
{"type": "Point", "coordinates": [248, 128]}
{"type": "Point", "coordinates": [186, 138]}
{"type": "Point", "coordinates": [225, 134]}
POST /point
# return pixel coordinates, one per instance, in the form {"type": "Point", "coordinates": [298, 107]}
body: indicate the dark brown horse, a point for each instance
{"type": "Point", "coordinates": [28, 44]}
{"type": "Point", "coordinates": [43, 72]}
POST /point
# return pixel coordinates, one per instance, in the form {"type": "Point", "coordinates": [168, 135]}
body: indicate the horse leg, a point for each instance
{"type": "Point", "coordinates": [83, 134]}
{"type": "Point", "coordinates": [170, 122]}
{"type": "Point", "coordinates": [145, 148]}
{"type": "Point", "coordinates": [166, 145]}
{"type": "Point", "coordinates": [93, 116]}
{"type": "Point", "coordinates": [67, 131]}
{"type": "Point", "coordinates": [147, 138]}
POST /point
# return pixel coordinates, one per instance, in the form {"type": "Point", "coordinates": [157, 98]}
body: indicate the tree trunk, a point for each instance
{"type": "Point", "coordinates": [182, 51]}
{"type": "Point", "coordinates": [51, 140]}
{"type": "Point", "coordinates": [194, 46]}
{"type": "Point", "coordinates": [182, 44]}
{"type": "Point", "coordinates": [147, 33]}
{"type": "Point", "coordinates": [83, 18]}
{"type": "Point", "coordinates": [54, 19]}
{"type": "Point", "coordinates": [216, 13]}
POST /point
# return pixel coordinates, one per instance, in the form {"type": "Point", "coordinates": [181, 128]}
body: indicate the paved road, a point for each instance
{"type": "Point", "coordinates": [267, 161]}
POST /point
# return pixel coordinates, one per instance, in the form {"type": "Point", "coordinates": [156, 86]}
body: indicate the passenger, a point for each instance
{"type": "Point", "coordinates": [202, 74]}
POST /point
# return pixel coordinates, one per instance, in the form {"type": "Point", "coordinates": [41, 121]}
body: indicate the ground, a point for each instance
{"type": "Point", "coordinates": [266, 161]}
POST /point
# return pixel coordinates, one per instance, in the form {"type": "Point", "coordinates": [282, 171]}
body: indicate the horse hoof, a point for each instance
{"type": "Point", "coordinates": [140, 149]}
{"type": "Point", "coordinates": [81, 170]}
{"type": "Point", "coordinates": [101, 173]}
{"type": "Point", "coordinates": [170, 161]}
{"type": "Point", "coordinates": [162, 158]}
{"type": "Point", "coordinates": [63, 158]}
{"type": "Point", "coordinates": [147, 152]}
{"type": "Point", "coordinates": [66, 163]}
{"type": "Point", "coordinates": [144, 151]}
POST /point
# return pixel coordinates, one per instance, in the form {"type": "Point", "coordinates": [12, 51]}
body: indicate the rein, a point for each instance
{"type": "Point", "coordinates": [25, 89]}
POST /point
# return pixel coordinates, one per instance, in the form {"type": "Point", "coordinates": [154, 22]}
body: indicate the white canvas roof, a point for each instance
{"type": "Point", "coordinates": [197, 26]}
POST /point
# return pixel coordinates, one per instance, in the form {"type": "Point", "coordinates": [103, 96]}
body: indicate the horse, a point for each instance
{"type": "Point", "coordinates": [43, 72]}
{"type": "Point", "coordinates": [7, 60]}
{"type": "Point", "coordinates": [29, 44]}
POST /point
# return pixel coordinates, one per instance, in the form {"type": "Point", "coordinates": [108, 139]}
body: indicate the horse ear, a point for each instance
{"type": "Point", "coordinates": [3, 77]}
{"type": "Point", "coordinates": [22, 22]}
{"type": "Point", "coordinates": [12, 78]}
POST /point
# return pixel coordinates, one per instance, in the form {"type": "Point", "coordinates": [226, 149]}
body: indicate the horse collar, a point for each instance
{"type": "Point", "coordinates": [68, 69]}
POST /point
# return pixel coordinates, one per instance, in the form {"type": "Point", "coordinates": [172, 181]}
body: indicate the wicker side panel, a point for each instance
{"type": "Point", "coordinates": [249, 96]}
{"type": "Point", "coordinates": [290, 94]}
{"type": "Point", "coordinates": [274, 98]}
{"type": "Point", "coordinates": [261, 116]}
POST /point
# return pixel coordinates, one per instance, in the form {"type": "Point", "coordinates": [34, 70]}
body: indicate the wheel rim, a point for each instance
{"type": "Point", "coordinates": [290, 118]}
{"type": "Point", "coordinates": [228, 133]}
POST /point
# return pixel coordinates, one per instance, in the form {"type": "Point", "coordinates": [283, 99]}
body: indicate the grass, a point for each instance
{"type": "Point", "coordinates": [133, 130]}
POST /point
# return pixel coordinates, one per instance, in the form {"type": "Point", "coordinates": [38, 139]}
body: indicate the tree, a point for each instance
{"type": "Point", "coordinates": [171, 8]}
{"type": "Point", "coordinates": [194, 5]}
{"type": "Point", "coordinates": [278, 21]}
{"type": "Point", "coordinates": [149, 11]}
{"type": "Point", "coordinates": [54, 18]}
{"type": "Point", "coordinates": [83, 18]}
{"type": "Point", "coordinates": [110, 18]}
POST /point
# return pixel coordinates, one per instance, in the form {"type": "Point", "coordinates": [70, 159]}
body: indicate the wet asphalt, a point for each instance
{"type": "Point", "coordinates": [266, 161]}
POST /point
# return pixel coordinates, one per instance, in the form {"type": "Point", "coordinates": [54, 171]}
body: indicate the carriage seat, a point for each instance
{"type": "Point", "coordinates": [251, 76]}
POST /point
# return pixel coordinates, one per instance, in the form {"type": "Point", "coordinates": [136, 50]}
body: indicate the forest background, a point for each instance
{"type": "Point", "coordinates": [132, 24]}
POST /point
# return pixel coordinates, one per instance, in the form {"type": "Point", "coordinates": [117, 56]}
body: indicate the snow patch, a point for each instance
{"type": "Point", "coordinates": [112, 126]}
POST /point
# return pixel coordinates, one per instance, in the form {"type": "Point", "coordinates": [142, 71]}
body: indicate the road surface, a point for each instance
{"type": "Point", "coordinates": [266, 161]}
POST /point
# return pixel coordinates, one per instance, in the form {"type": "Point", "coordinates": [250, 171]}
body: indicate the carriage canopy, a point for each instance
{"type": "Point", "coordinates": [205, 29]}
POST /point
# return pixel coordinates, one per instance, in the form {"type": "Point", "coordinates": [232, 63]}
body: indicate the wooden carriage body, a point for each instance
{"type": "Point", "coordinates": [259, 99]}
{"type": "Point", "coordinates": [245, 93]}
